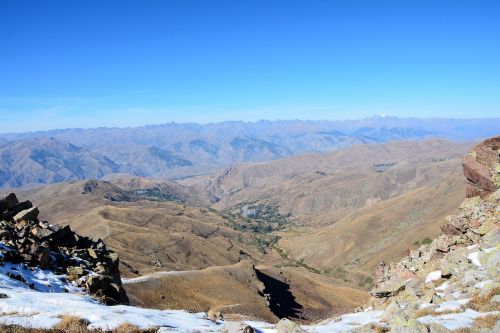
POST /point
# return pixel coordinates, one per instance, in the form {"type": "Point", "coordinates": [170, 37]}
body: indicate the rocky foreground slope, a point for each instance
{"type": "Point", "coordinates": [30, 243]}
{"type": "Point", "coordinates": [450, 282]}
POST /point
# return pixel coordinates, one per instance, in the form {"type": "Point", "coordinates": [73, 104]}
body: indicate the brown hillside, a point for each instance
{"type": "Point", "coordinates": [379, 232]}
{"type": "Point", "coordinates": [148, 235]}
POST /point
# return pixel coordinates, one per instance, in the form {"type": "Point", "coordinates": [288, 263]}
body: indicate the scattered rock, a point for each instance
{"type": "Point", "coordinates": [156, 263]}
{"type": "Point", "coordinates": [236, 327]}
{"type": "Point", "coordinates": [457, 272]}
{"type": "Point", "coordinates": [288, 326]}
{"type": "Point", "coordinates": [389, 288]}
{"type": "Point", "coordinates": [403, 323]}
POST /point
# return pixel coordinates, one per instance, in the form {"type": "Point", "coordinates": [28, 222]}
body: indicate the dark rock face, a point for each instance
{"type": "Point", "coordinates": [482, 168]}
{"type": "Point", "coordinates": [36, 243]}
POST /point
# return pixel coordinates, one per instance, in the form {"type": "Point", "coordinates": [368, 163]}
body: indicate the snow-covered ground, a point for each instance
{"type": "Point", "coordinates": [152, 276]}
{"type": "Point", "coordinates": [455, 321]}
{"type": "Point", "coordinates": [51, 298]}
{"type": "Point", "coordinates": [344, 323]}
{"type": "Point", "coordinates": [43, 306]}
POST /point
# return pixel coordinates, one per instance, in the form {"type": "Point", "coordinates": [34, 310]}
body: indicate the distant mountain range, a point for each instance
{"type": "Point", "coordinates": [179, 150]}
{"type": "Point", "coordinates": [47, 160]}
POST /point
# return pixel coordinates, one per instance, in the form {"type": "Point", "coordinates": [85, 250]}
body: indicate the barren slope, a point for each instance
{"type": "Point", "coordinates": [381, 231]}
{"type": "Point", "coordinates": [240, 291]}
{"type": "Point", "coordinates": [348, 178]}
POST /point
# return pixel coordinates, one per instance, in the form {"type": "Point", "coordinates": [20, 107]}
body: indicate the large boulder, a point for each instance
{"type": "Point", "coordinates": [482, 168]}
{"type": "Point", "coordinates": [288, 326]}
{"type": "Point", "coordinates": [30, 214]}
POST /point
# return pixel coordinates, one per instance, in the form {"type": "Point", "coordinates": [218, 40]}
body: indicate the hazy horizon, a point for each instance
{"type": "Point", "coordinates": [305, 120]}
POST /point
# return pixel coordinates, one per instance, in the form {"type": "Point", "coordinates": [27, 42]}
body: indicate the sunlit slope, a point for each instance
{"type": "Point", "coordinates": [382, 231]}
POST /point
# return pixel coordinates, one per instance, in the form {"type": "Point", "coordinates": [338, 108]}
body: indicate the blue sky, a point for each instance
{"type": "Point", "coordinates": [123, 63]}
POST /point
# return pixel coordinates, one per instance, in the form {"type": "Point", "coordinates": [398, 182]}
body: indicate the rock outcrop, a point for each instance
{"type": "Point", "coordinates": [453, 282]}
{"type": "Point", "coordinates": [482, 168]}
{"type": "Point", "coordinates": [38, 244]}
{"type": "Point", "coordinates": [475, 228]}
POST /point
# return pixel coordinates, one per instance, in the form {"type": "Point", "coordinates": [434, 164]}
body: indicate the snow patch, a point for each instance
{"type": "Point", "coordinates": [452, 305]}
{"type": "Point", "coordinates": [433, 276]}
{"type": "Point", "coordinates": [443, 287]}
{"type": "Point", "coordinates": [152, 276]}
{"type": "Point", "coordinates": [42, 306]}
{"type": "Point", "coordinates": [482, 284]}
{"type": "Point", "coordinates": [22, 276]}
{"type": "Point", "coordinates": [347, 322]}
{"type": "Point", "coordinates": [474, 259]}
{"type": "Point", "coordinates": [261, 326]}
{"type": "Point", "coordinates": [455, 321]}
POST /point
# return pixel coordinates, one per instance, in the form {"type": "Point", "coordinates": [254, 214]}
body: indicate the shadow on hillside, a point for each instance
{"type": "Point", "coordinates": [282, 302]}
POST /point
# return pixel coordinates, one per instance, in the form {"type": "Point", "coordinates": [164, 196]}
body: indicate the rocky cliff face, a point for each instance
{"type": "Point", "coordinates": [37, 244]}
{"type": "Point", "coordinates": [454, 282]}
{"type": "Point", "coordinates": [482, 168]}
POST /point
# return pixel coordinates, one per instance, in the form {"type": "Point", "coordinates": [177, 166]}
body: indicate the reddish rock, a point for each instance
{"type": "Point", "coordinates": [482, 168]}
{"type": "Point", "coordinates": [448, 229]}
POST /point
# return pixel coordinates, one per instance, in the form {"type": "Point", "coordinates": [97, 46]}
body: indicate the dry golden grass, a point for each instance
{"type": "Point", "coordinates": [431, 312]}
{"type": "Point", "coordinates": [486, 321]}
{"type": "Point", "coordinates": [72, 324]}
{"type": "Point", "coordinates": [424, 312]}
{"type": "Point", "coordinates": [128, 328]}
{"type": "Point", "coordinates": [483, 303]}
{"type": "Point", "coordinates": [18, 329]}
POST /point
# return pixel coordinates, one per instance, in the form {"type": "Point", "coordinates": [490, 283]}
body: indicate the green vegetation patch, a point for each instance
{"type": "Point", "coordinates": [424, 241]}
